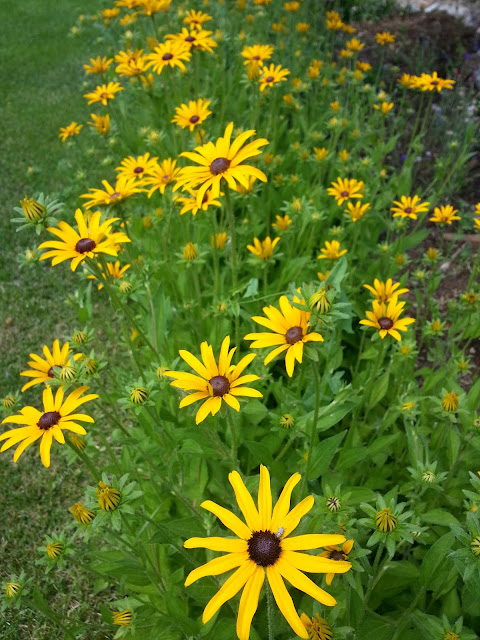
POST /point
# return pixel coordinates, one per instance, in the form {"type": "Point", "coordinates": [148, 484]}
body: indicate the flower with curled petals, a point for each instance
{"type": "Point", "coordinates": [214, 383]}
{"type": "Point", "coordinates": [384, 291]}
{"type": "Point", "coordinates": [219, 161]}
{"type": "Point", "coordinates": [288, 332]}
{"type": "Point", "coordinates": [386, 318]}
{"type": "Point", "coordinates": [43, 369]}
{"type": "Point", "coordinates": [58, 414]}
{"type": "Point", "coordinates": [264, 548]}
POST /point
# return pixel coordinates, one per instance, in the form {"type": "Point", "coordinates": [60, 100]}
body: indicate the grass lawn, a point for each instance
{"type": "Point", "coordinates": [41, 76]}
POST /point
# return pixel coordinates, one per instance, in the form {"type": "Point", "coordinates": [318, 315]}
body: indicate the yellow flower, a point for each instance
{"type": "Point", "coordinates": [150, 7]}
{"type": "Point", "coordinates": [214, 383]}
{"type": "Point", "coordinates": [272, 75]}
{"type": "Point", "coordinates": [91, 239]}
{"type": "Point", "coordinates": [477, 209]}
{"type": "Point", "coordinates": [161, 175]}
{"type": "Point", "coordinates": [409, 207]}
{"type": "Point", "coordinates": [190, 252]}
{"type": "Point", "coordinates": [114, 271]}
{"type": "Point", "coordinates": [385, 291]}
{"type": "Point", "coordinates": [354, 45]}
{"type": "Point", "coordinates": [191, 204]}
{"type": "Point", "coordinates": [72, 129]}
{"type": "Point", "coordinates": [289, 332]}
{"type": "Point", "coordinates": [263, 249]}
{"type": "Point", "coordinates": [12, 588]}
{"type": "Point", "coordinates": [450, 401]}
{"type": "Point", "coordinates": [42, 370]}
{"type": "Point", "coordinates": [196, 38]}
{"type": "Point", "coordinates": [287, 421]}
{"type": "Point", "coordinates": [386, 521]}
{"type": "Point", "coordinates": [98, 65]}
{"type": "Point", "coordinates": [345, 189]}
{"type": "Point", "coordinates": [81, 513]}
{"type": "Point", "coordinates": [357, 210]}
{"type": "Point", "coordinates": [384, 38]}
{"type": "Point", "coordinates": [193, 114]}
{"type": "Point", "coordinates": [343, 155]}
{"type": "Point", "coordinates": [49, 424]}
{"type": "Point", "coordinates": [432, 254]}
{"type": "Point", "coordinates": [103, 93]}
{"type": "Point", "coordinates": [320, 154]}
{"type": "Point", "coordinates": [339, 554]}
{"type": "Point", "coordinates": [222, 160]}
{"type": "Point", "coordinates": [136, 167]}
{"type": "Point", "coordinates": [363, 66]}
{"type": "Point", "coordinates": [122, 618]}
{"type": "Point", "coordinates": [195, 19]}
{"type": "Point", "coordinates": [427, 82]}
{"type": "Point", "coordinates": [169, 54]}
{"type": "Point", "coordinates": [291, 6]}
{"type": "Point", "coordinates": [470, 297]}
{"type": "Point", "coordinates": [107, 14]}
{"type": "Point", "coordinates": [219, 240]}
{"type": "Point", "coordinates": [124, 188]}
{"type": "Point", "coordinates": [477, 224]}
{"type": "Point", "coordinates": [108, 497]}
{"type": "Point", "coordinates": [384, 108]}
{"type": "Point", "coordinates": [323, 276]}
{"type": "Point", "coordinates": [302, 27]}
{"type": "Point", "coordinates": [101, 123]}
{"type": "Point", "coordinates": [331, 251]}
{"type": "Point", "coordinates": [32, 209]}
{"type": "Point", "coordinates": [408, 406]}
{"type": "Point", "coordinates": [385, 318]}
{"type": "Point", "coordinates": [282, 223]}
{"type": "Point", "coordinates": [335, 106]}
{"type": "Point", "coordinates": [264, 548]}
{"type": "Point", "coordinates": [54, 550]}
{"type": "Point", "coordinates": [444, 214]}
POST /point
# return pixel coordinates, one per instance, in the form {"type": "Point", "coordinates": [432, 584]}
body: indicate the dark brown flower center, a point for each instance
{"type": "Point", "coordinates": [194, 119]}
{"type": "Point", "coordinates": [190, 39]}
{"type": "Point", "coordinates": [84, 245]}
{"type": "Point", "coordinates": [269, 79]}
{"type": "Point", "coordinates": [220, 385]}
{"type": "Point", "coordinates": [167, 56]}
{"type": "Point", "coordinates": [264, 548]}
{"type": "Point", "coordinates": [434, 82]}
{"type": "Point", "coordinates": [336, 555]}
{"type": "Point", "coordinates": [385, 323]}
{"type": "Point", "coordinates": [205, 198]}
{"type": "Point", "coordinates": [256, 58]}
{"type": "Point", "coordinates": [103, 95]}
{"type": "Point", "coordinates": [138, 170]}
{"type": "Point", "coordinates": [48, 420]}
{"type": "Point", "coordinates": [114, 195]}
{"type": "Point", "coordinates": [51, 372]}
{"type": "Point", "coordinates": [219, 165]}
{"type": "Point", "coordinates": [344, 194]}
{"type": "Point", "coordinates": [293, 335]}
{"type": "Point", "coordinates": [408, 210]}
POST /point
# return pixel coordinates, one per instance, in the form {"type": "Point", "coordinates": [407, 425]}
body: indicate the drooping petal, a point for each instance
{"type": "Point", "coordinates": [284, 601]}
{"type": "Point", "coordinates": [229, 519]}
{"type": "Point", "coordinates": [249, 603]}
{"type": "Point", "coordinates": [300, 581]}
{"type": "Point", "coordinates": [315, 564]}
{"type": "Point", "coordinates": [217, 566]}
{"type": "Point", "coordinates": [231, 587]}
{"type": "Point", "coordinates": [45, 446]}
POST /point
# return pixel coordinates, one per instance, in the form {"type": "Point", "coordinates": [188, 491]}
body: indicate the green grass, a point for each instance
{"type": "Point", "coordinates": [42, 77]}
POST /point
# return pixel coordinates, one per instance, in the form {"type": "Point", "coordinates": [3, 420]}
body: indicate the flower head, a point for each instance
{"type": "Point", "coordinates": [288, 332]}
{"type": "Point", "coordinates": [12, 589]}
{"type": "Point", "coordinates": [334, 552]}
{"type": "Point", "coordinates": [264, 548]}
{"type": "Point", "coordinates": [108, 497]}
{"type": "Point", "coordinates": [54, 550]}
{"type": "Point", "coordinates": [137, 167]}
{"type": "Point", "coordinates": [195, 19]}
{"type": "Point", "coordinates": [124, 188]}
{"type": "Point", "coordinates": [98, 65]}
{"type": "Point", "coordinates": [101, 123]}
{"type": "Point", "coordinates": [384, 107]}
{"type": "Point", "coordinates": [193, 114]}
{"type": "Point", "coordinates": [257, 53]}
{"type": "Point", "coordinates": [103, 93]}
{"type": "Point", "coordinates": [433, 82]}
{"type": "Point", "coordinates": [222, 160]}
{"type": "Point", "coordinates": [409, 207]}
{"type": "Point", "coordinates": [345, 189]}
{"type": "Point", "coordinates": [385, 318]}
{"type": "Point", "coordinates": [450, 401]}
{"type": "Point", "coordinates": [42, 369]}
{"type": "Point", "coordinates": [122, 618]}
{"type": "Point", "coordinates": [384, 38]}
{"type": "Point", "coordinates": [385, 291]}
{"type": "Point", "coordinates": [357, 210]}
{"type": "Point", "coordinates": [33, 210]}
{"type": "Point", "coordinates": [81, 513]}
{"type": "Point", "coordinates": [172, 53]}
{"type": "Point", "coordinates": [58, 414]}
{"type": "Point", "coordinates": [214, 383]}
{"type": "Point", "coordinates": [272, 75]}
{"type": "Point", "coordinates": [263, 249]}
{"type": "Point", "coordinates": [317, 627]}
{"type": "Point", "coordinates": [444, 214]}
{"type": "Point", "coordinates": [90, 239]}
{"type": "Point", "coordinates": [72, 129]}
{"type": "Point", "coordinates": [331, 251]}
{"type": "Point", "coordinates": [386, 521]}
{"type": "Point", "coordinates": [282, 223]}
{"type": "Point", "coordinates": [197, 38]}
{"type": "Point", "coordinates": [190, 203]}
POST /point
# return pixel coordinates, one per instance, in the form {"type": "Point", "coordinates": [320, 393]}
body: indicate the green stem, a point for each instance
{"type": "Point", "coordinates": [233, 432]}
{"type": "Point", "coordinates": [313, 429]}
{"type": "Point", "coordinates": [271, 631]}
{"type": "Point", "coordinates": [231, 222]}
{"type": "Point", "coordinates": [86, 460]}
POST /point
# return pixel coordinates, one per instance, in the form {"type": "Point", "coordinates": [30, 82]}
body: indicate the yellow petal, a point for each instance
{"type": "Point", "coordinates": [315, 564]}
{"type": "Point", "coordinates": [217, 566]}
{"type": "Point", "coordinates": [231, 587]}
{"type": "Point", "coordinates": [283, 503]}
{"type": "Point", "coordinates": [249, 603]}
{"type": "Point", "coordinates": [300, 581]}
{"type": "Point", "coordinates": [230, 545]}
{"type": "Point", "coordinates": [245, 501]}
{"type": "Point", "coordinates": [229, 519]}
{"type": "Point", "coordinates": [264, 499]}
{"type": "Point", "coordinates": [291, 521]}
{"type": "Point", "coordinates": [311, 541]}
{"type": "Point", "coordinates": [284, 601]}
{"type": "Point", "coordinates": [45, 446]}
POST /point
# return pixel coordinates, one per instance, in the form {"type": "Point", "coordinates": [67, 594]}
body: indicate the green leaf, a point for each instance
{"type": "Point", "coordinates": [435, 558]}
{"type": "Point", "coordinates": [43, 606]}
{"type": "Point", "coordinates": [384, 442]}
{"type": "Point", "coordinates": [323, 455]}
{"type": "Point", "coordinates": [260, 452]}
{"type": "Point", "coordinates": [441, 517]}
{"type": "Point", "coordinates": [332, 414]}
{"type": "Point", "coordinates": [379, 390]}
{"type": "Point", "coordinates": [453, 446]}
{"type": "Point", "coordinates": [352, 457]}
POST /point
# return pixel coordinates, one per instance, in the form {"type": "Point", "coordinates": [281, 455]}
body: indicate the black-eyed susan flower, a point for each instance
{"type": "Point", "coordinates": [272, 75]}
{"type": "Point", "coordinates": [133, 67]}
{"type": "Point", "coordinates": [450, 401]}
{"type": "Point", "coordinates": [190, 203]}
{"type": "Point", "coordinates": [288, 332]}
{"type": "Point", "coordinates": [136, 167]}
{"type": "Point", "coordinates": [357, 210]}
{"type": "Point", "coordinates": [12, 589]}
{"type": "Point", "coordinates": [264, 548]}
{"type": "Point", "coordinates": [32, 210]}
{"type": "Point", "coordinates": [193, 114]}
{"type": "Point", "coordinates": [385, 291]}
{"type": "Point", "coordinates": [57, 415]}
{"type": "Point", "coordinates": [72, 129]}
{"type": "Point", "coordinates": [9, 402]}
{"type": "Point", "coordinates": [354, 45]}
{"type": "Point", "coordinates": [444, 214]}
{"type": "Point", "coordinates": [346, 189]}
{"type": "Point", "coordinates": [129, 56]}
{"type": "Point", "coordinates": [108, 497]}
{"type": "Point", "coordinates": [385, 318]}
{"type": "Point", "coordinates": [214, 383]}
{"type": "Point", "coordinates": [42, 369]}
{"type": "Point", "coordinates": [384, 107]}
{"type": "Point", "coordinates": [477, 224]}
{"type": "Point", "coordinates": [317, 627]}
{"type": "Point", "coordinates": [287, 421]}
{"type": "Point", "coordinates": [334, 552]}
{"type": "Point", "coordinates": [115, 271]}
{"type": "Point", "coordinates": [122, 618]}
{"type": "Point", "coordinates": [222, 160]}
{"type": "Point", "coordinates": [433, 82]}
{"type": "Point", "coordinates": [190, 251]}
{"type": "Point", "coordinates": [101, 123]}
{"type": "Point", "coordinates": [320, 153]}
{"type": "Point", "coordinates": [195, 19]}
{"type": "Point", "coordinates": [263, 249]}
{"type": "Point", "coordinates": [82, 514]}
{"type": "Point", "coordinates": [331, 251]}
{"type": "Point", "coordinates": [138, 395]}
{"type": "Point", "coordinates": [103, 93]}
{"type": "Point", "coordinates": [384, 38]}
{"type": "Point", "coordinates": [124, 188]}
{"type": "Point", "coordinates": [386, 521]}
{"type": "Point", "coordinates": [91, 239]}
{"type": "Point", "coordinates": [160, 176]}
{"type": "Point", "coordinates": [409, 207]}
{"type": "Point", "coordinates": [151, 7]}
{"type": "Point", "coordinates": [171, 53]}
{"type": "Point", "coordinates": [98, 64]}
{"type": "Point", "coordinates": [54, 550]}
{"type": "Point", "coordinates": [194, 39]}
{"type": "Point", "coordinates": [282, 223]}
